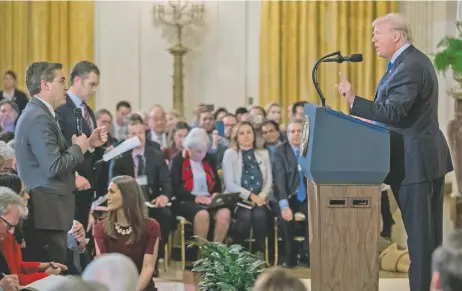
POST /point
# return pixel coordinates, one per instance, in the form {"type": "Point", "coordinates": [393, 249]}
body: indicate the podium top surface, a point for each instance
{"type": "Point", "coordinates": [372, 124]}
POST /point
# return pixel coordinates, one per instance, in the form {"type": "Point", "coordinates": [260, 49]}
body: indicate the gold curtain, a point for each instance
{"type": "Point", "coordinates": [294, 35]}
{"type": "Point", "coordinates": [56, 31]}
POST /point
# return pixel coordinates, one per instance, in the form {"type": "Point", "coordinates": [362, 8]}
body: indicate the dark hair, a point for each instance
{"type": "Point", "coordinates": [134, 119]}
{"type": "Point", "coordinates": [11, 103]}
{"type": "Point", "coordinates": [123, 104]}
{"type": "Point", "coordinates": [10, 73]}
{"type": "Point", "coordinates": [11, 181]}
{"type": "Point", "coordinates": [133, 206]}
{"type": "Point", "coordinates": [6, 136]}
{"type": "Point", "coordinates": [260, 108]}
{"type": "Point", "coordinates": [241, 110]}
{"type": "Point", "coordinates": [178, 126]}
{"type": "Point", "coordinates": [218, 111]}
{"type": "Point", "coordinates": [38, 72]}
{"type": "Point", "coordinates": [296, 105]}
{"type": "Point", "coordinates": [271, 122]}
{"type": "Point", "coordinates": [102, 112]}
{"type": "Point", "coordinates": [82, 69]}
{"type": "Point", "coordinates": [230, 115]}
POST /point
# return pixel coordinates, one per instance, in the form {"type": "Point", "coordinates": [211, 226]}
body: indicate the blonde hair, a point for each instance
{"type": "Point", "coordinates": [235, 131]}
{"type": "Point", "coordinates": [398, 23]}
{"type": "Point", "coordinates": [271, 105]}
{"type": "Point", "coordinates": [277, 279]}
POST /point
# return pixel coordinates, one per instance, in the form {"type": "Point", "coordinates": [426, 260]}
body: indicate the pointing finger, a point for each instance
{"type": "Point", "coordinates": [342, 77]}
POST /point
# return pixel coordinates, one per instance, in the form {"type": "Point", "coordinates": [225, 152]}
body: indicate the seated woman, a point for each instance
{"type": "Point", "coordinates": [195, 181]}
{"type": "Point", "coordinates": [247, 170]}
{"type": "Point", "coordinates": [10, 250]}
{"type": "Point", "coordinates": [176, 137]}
{"type": "Point", "coordinates": [128, 229]}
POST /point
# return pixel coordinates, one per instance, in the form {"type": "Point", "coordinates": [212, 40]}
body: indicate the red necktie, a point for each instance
{"type": "Point", "coordinates": [87, 117]}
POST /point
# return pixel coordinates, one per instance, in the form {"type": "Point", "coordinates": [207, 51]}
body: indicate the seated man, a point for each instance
{"type": "Point", "coordinates": [290, 191]}
{"type": "Point", "coordinates": [147, 165]}
{"type": "Point", "coordinates": [447, 259]}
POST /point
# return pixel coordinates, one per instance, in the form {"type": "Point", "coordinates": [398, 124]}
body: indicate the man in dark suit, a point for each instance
{"type": "Point", "coordinates": [147, 165]}
{"type": "Point", "coordinates": [46, 162]}
{"type": "Point", "coordinates": [290, 191]}
{"type": "Point", "coordinates": [84, 79]}
{"type": "Point", "coordinates": [406, 101]}
{"type": "Point", "coordinates": [10, 92]}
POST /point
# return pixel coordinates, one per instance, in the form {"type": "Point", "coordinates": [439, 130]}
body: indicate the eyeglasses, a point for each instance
{"type": "Point", "coordinates": [10, 227]}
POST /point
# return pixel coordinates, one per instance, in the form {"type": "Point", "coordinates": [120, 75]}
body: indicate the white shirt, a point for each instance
{"type": "Point", "coordinates": [47, 105]}
{"type": "Point", "coordinates": [200, 187]}
{"type": "Point", "coordinates": [399, 52]}
{"type": "Point", "coordinates": [160, 139]}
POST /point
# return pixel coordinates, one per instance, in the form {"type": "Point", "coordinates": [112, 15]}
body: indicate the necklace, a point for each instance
{"type": "Point", "coordinates": [122, 230]}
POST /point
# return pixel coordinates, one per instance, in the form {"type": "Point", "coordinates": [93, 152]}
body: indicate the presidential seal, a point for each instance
{"type": "Point", "coordinates": [305, 136]}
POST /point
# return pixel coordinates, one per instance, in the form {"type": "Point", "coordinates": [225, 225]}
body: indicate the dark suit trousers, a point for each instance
{"type": "Point", "coordinates": [421, 205]}
{"type": "Point", "coordinates": [165, 219]}
{"type": "Point", "coordinates": [387, 218]}
{"type": "Point", "coordinates": [257, 218]}
{"type": "Point", "coordinates": [83, 201]}
{"type": "Point", "coordinates": [290, 229]}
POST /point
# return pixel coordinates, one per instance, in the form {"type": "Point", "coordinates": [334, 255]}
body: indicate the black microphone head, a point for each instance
{"type": "Point", "coordinates": [356, 58]}
{"type": "Point", "coordinates": [78, 113]}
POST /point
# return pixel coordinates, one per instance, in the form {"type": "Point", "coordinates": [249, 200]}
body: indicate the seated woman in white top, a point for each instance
{"type": "Point", "coordinates": [195, 181]}
{"type": "Point", "coordinates": [247, 170]}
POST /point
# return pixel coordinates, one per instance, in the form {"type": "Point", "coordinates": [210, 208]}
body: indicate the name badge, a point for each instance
{"type": "Point", "coordinates": [142, 180]}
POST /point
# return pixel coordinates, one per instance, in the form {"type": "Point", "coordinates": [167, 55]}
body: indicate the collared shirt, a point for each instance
{"type": "Point", "coordinates": [48, 106]}
{"type": "Point", "coordinates": [159, 138]}
{"type": "Point", "coordinates": [399, 52]}
{"type": "Point", "coordinates": [79, 104]}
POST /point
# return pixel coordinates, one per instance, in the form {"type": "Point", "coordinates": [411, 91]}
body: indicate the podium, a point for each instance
{"type": "Point", "coordinates": [345, 160]}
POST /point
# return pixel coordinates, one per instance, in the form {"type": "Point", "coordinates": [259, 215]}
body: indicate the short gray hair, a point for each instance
{"type": "Point", "coordinates": [113, 270]}
{"type": "Point", "coordinates": [447, 260]}
{"type": "Point", "coordinates": [197, 138]}
{"type": "Point", "coordinates": [398, 22]}
{"type": "Point", "coordinates": [8, 199]}
{"type": "Point", "coordinates": [38, 72]}
{"type": "Point", "coordinates": [6, 151]}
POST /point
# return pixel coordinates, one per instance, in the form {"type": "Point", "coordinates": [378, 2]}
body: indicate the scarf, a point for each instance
{"type": "Point", "coordinates": [187, 174]}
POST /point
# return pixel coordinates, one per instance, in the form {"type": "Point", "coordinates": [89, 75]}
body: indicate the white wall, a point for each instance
{"type": "Point", "coordinates": [221, 68]}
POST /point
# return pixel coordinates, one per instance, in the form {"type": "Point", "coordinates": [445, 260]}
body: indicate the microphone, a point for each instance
{"type": "Point", "coordinates": [355, 58]}
{"type": "Point", "coordinates": [78, 120]}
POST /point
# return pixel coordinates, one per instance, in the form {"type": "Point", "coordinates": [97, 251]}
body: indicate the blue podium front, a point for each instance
{"type": "Point", "coordinates": [338, 149]}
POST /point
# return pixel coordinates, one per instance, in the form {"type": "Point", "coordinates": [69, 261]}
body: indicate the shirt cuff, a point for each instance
{"type": "Point", "coordinates": [284, 203]}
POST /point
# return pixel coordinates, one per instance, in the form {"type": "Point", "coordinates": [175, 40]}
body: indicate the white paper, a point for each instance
{"type": "Point", "coordinates": [122, 148]}
{"type": "Point", "coordinates": [142, 180]}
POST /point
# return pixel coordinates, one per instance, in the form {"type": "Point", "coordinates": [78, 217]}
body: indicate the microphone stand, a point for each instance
{"type": "Point", "coordinates": [315, 77]}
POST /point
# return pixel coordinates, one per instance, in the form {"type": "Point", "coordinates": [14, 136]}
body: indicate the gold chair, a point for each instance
{"type": "Point", "coordinates": [298, 217]}
{"type": "Point", "coordinates": [182, 222]}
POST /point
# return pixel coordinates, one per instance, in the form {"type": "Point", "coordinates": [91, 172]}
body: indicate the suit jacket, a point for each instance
{"type": "Point", "coordinates": [176, 174]}
{"type": "Point", "coordinates": [286, 176]}
{"type": "Point", "coordinates": [46, 166]}
{"type": "Point", "coordinates": [20, 98]}
{"type": "Point", "coordinates": [232, 173]}
{"type": "Point", "coordinates": [407, 101]}
{"type": "Point", "coordinates": [157, 172]}
{"type": "Point", "coordinates": [68, 126]}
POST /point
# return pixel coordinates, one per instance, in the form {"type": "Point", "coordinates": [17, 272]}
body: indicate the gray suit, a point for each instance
{"type": "Point", "coordinates": [46, 166]}
{"type": "Point", "coordinates": [407, 101]}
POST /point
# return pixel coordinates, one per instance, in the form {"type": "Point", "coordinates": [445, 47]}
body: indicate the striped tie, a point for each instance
{"type": "Point", "coordinates": [86, 116]}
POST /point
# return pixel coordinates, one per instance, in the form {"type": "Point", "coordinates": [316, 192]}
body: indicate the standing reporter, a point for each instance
{"type": "Point", "coordinates": [46, 162]}
{"type": "Point", "coordinates": [406, 100]}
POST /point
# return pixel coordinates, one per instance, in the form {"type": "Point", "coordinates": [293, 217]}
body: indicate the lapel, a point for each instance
{"type": "Point", "coordinates": [150, 165]}
{"type": "Point", "coordinates": [238, 167]}
{"type": "Point", "coordinates": [291, 159]}
{"type": "Point", "coordinates": [61, 140]}
{"type": "Point", "coordinates": [130, 165]}
{"type": "Point", "coordinates": [395, 64]}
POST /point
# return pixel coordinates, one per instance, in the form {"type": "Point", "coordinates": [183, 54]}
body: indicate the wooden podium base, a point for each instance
{"type": "Point", "coordinates": [344, 226]}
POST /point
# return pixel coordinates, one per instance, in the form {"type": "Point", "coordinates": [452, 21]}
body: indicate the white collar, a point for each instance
{"type": "Point", "coordinates": [47, 105]}
{"type": "Point", "coordinates": [399, 52]}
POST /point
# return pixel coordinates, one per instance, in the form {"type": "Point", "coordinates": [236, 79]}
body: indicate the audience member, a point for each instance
{"type": "Point", "coordinates": [220, 113]}
{"type": "Point", "coordinates": [273, 112]}
{"type": "Point", "coordinates": [115, 271]}
{"type": "Point", "coordinates": [240, 113]}
{"type": "Point", "coordinates": [76, 284]}
{"type": "Point", "coordinates": [9, 113]}
{"type": "Point", "coordinates": [123, 109]}
{"type": "Point", "coordinates": [278, 280]}
{"type": "Point", "coordinates": [10, 92]}
{"type": "Point", "coordinates": [157, 132]}
{"type": "Point", "coordinates": [172, 117]}
{"type": "Point", "coordinates": [298, 111]}
{"type": "Point", "coordinates": [195, 181]}
{"type": "Point", "coordinates": [247, 170]}
{"type": "Point", "coordinates": [271, 135]}
{"type": "Point", "coordinates": [447, 262]}
{"type": "Point", "coordinates": [128, 230]}
{"type": "Point", "coordinates": [176, 137]}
